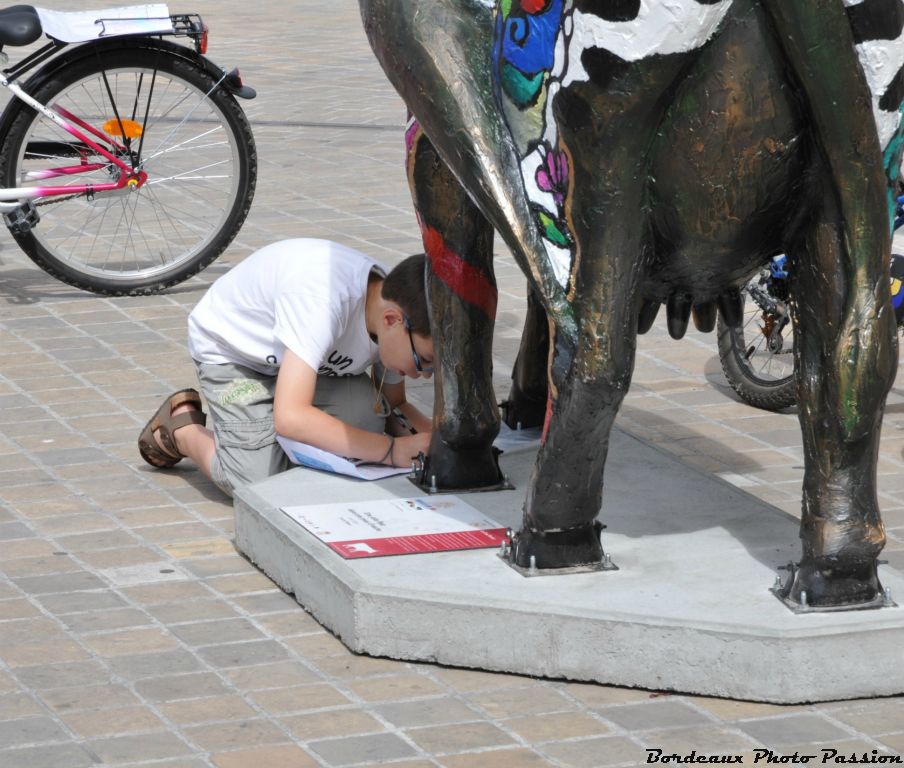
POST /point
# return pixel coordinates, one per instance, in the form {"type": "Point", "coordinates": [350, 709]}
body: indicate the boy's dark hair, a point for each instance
{"type": "Point", "coordinates": [405, 286]}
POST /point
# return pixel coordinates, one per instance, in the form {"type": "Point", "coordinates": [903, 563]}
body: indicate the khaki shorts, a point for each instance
{"type": "Point", "coordinates": [240, 408]}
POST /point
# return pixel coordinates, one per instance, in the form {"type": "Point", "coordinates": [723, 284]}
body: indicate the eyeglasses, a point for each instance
{"type": "Point", "coordinates": [417, 358]}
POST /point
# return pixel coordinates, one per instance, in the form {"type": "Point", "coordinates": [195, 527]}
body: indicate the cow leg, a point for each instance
{"type": "Point", "coordinates": [845, 342]}
{"type": "Point", "coordinates": [462, 289]}
{"type": "Point", "coordinates": [438, 56]}
{"type": "Point", "coordinates": [818, 42]}
{"type": "Point", "coordinates": [526, 404]}
{"type": "Point", "coordinates": [589, 378]}
{"type": "Point", "coordinates": [846, 358]}
{"type": "Point", "coordinates": [566, 486]}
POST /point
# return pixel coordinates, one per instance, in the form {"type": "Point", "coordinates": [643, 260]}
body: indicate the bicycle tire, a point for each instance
{"type": "Point", "coordinates": [197, 149]}
{"type": "Point", "coordinates": [746, 375]}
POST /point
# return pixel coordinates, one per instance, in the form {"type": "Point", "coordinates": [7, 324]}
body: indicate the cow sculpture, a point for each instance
{"type": "Point", "coordinates": [634, 153]}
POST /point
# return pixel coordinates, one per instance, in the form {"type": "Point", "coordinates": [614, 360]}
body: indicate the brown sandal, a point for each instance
{"type": "Point", "coordinates": [165, 454]}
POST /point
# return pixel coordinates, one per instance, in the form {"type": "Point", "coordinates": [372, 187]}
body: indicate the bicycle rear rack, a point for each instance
{"type": "Point", "coordinates": [191, 25]}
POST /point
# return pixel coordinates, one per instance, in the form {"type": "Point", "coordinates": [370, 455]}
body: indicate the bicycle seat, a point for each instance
{"type": "Point", "coordinates": [19, 25]}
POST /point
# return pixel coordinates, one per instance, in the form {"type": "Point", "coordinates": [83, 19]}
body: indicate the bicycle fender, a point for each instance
{"type": "Point", "coordinates": [236, 87]}
{"type": "Point", "coordinates": [231, 80]}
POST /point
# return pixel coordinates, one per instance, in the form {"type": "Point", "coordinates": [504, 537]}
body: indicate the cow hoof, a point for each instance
{"type": "Point", "coordinates": [558, 549]}
{"type": "Point", "coordinates": [523, 411]}
{"type": "Point", "coordinates": [460, 469]}
{"type": "Point", "coordinates": [835, 584]}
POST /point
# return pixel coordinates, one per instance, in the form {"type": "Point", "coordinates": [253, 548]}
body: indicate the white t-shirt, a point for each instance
{"type": "Point", "coordinates": [304, 295]}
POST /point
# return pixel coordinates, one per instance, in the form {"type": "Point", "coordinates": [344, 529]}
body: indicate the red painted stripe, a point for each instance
{"type": "Point", "coordinates": [465, 281]}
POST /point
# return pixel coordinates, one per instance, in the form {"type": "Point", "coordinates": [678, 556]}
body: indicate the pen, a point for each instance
{"type": "Point", "coordinates": [405, 424]}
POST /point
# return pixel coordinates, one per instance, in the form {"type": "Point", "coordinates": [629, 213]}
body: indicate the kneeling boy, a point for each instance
{"type": "Point", "coordinates": [281, 344]}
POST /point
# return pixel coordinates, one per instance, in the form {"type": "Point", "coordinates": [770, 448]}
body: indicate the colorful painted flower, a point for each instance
{"type": "Point", "coordinates": [524, 48]}
{"type": "Point", "coordinates": [552, 176]}
{"type": "Point", "coordinates": [554, 230]}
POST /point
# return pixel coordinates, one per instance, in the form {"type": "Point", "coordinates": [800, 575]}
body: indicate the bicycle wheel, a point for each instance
{"type": "Point", "coordinates": [190, 137]}
{"type": "Point", "coordinates": [757, 357]}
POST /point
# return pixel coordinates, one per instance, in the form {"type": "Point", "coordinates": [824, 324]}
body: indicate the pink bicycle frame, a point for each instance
{"type": "Point", "coordinates": [67, 121]}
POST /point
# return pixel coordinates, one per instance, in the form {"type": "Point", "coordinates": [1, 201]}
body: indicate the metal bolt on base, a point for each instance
{"type": "Point", "coordinates": [511, 551]}
{"type": "Point", "coordinates": [782, 589]}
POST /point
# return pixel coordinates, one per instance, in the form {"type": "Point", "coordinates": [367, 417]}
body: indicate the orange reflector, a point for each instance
{"type": "Point", "coordinates": [129, 128]}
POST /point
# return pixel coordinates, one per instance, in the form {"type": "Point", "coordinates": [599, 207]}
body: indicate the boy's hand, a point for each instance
{"type": "Point", "coordinates": [408, 447]}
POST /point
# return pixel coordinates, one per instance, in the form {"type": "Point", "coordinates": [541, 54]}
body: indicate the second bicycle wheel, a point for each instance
{"type": "Point", "coordinates": [173, 122]}
{"type": "Point", "coordinates": [758, 356]}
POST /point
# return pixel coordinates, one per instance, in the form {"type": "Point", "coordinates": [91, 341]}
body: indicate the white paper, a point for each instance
{"type": "Point", "coordinates": [390, 518]}
{"type": "Point", "coordinates": [78, 26]}
{"type": "Point", "coordinates": [510, 439]}
{"type": "Point", "coordinates": [391, 527]}
{"type": "Point", "coordinates": [308, 456]}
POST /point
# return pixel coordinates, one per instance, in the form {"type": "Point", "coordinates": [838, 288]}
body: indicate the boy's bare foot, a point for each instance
{"type": "Point", "coordinates": [157, 441]}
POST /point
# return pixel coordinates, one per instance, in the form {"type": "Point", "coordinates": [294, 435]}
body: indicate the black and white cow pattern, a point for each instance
{"type": "Point", "coordinates": [633, 30]}
{"type": "Point", "coordinates": [878, 27]}
{"type": "Point", "coordinates": [636, 29]}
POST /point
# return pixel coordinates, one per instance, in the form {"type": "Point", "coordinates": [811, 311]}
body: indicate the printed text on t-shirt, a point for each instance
{"type": "Point", "coordinates": [335, 364]}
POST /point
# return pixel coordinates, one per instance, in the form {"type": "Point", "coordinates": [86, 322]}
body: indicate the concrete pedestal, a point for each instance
{"type": "Point", "coordinates": [688, 610]}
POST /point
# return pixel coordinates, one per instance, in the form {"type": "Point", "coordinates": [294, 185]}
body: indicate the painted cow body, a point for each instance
{"type": "Point", "coordinates": [634, 153]}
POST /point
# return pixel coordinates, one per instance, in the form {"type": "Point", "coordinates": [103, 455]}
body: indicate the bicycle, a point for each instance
{"type": "Point", "coordinates": [126, 162]}
{"type": "Point", "coordinates": [757, 355]}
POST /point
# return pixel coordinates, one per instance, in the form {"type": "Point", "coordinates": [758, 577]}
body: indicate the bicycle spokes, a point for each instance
{"type": "Point", "coordinates": [154, 181]}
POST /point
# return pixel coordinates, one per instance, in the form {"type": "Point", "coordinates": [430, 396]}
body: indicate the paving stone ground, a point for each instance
{"type": "Point", "coordinates": [132, 633]}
